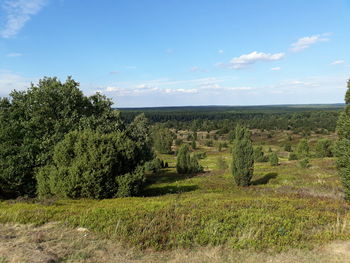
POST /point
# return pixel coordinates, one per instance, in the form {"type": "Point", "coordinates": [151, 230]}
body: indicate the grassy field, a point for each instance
{"type": "Point", "coordinates": [286, 207]}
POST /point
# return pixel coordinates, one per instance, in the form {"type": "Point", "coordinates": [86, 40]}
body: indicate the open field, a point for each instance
{"type": "Point", "coordinates": [286, 208]}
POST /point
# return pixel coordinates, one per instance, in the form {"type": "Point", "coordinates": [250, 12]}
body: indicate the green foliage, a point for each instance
{"type": "Point", "coordinates": [242, 157]}
{"type": "Point", "coordinates": [324, 148]}
{"type": "Point", "coordinates": [292, 157]}
{"type": "Point", "coordinates": [178, 142]}
{"type": "Point", "coordinates": [342, 149]}
{"type": "Point", "coordinates": [259, 155]}
{"type": "Point", "coordinates": [93, 165]}
{"type": "Point", "coordinates": [185, 163]}
{"type": "Point", "coordinates": [221, 163]}
{"type": "Point", "coordinates": [209, 143]}
{"type": "Point", "coordinates": [304, 163]}
{"type": "Point", "coordinates": [33, 121]}
{"type": "Point", "coordinates": [303, 149]}
{"type": "Point", "coordinates": [200, 155]}
{"type": "Point", "coordinates": [273, 158]}
{"type": "Point", "coordinates": [155, 165]}
{"type": "Point", "coordinates": [163, 139]}
{"type": "Point", "coordinates": [288, 147]}
{"type": "Point", "coordinates": [193, 145]}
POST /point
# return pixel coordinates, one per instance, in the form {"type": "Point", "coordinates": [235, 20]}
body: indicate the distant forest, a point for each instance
{"type": "Point", "coordinates": [320, 118]}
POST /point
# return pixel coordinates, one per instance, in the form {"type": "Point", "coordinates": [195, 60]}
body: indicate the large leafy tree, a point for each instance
{"type": "Point", "coordinates": [342, 149]}
{"type": "Point", "coordinates": [33, 121]}
{"type": "Point", "coordinates": [243, 159]}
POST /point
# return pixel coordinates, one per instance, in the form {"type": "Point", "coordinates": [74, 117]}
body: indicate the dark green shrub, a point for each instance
{"type": "Point", "coordinates": [93, 165]}
{"type": "Point", "coordinates": [178, 142]}
{"type": "Point", "coordinates": [304, 163]}
{"type": "Point", "coordinates": [209, 143]}
{"type": "Point", "coordinates": [242, 157]}
{"type": "Point", "coordinates": [200, 155]}
{"type": "Point", "coordinates": [324, 148]}
{"type": "Point", "coordinates": [288, 147]}
{"type": "Point", "coordinates": [342, 149]}
{"type": "Point", "coordinates": [162, 139]}
{"type": "Point", "coordinates": [33, 121]}
{"type": "Point", "coordinates": [273, 158]}
{"type": "Point", "coordinates": [185, 163]}
{"type": "Point", "coordinates": [292, 157]}
{"type": "Point", "coordinates": [259, 155]}
{"type": "Point", "coordinates": [303, 149]}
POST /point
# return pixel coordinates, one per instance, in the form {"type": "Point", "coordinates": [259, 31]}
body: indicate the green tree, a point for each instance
{"type": "Point", "coordinates": [163, 139]}
{"type": "Point", "coordinates": [242, 157]}
{"type": "Point", "coordinates": [288, 147]}
{"type": "Point", "coordinates": [185, 163]}
{"type": "Point", "coordinates": [259, 154]}
{"type": "Point", "coordinates": [91, 164]}
{"type": "Point", "coordinates": [273, 158]}
{"type": "Point", "coordinates": [303, 149]}
{"type": "Point", "coordinates": [33, 121]}
{"type": "Point", "coordinates": [342, 149]}
{"type": "Point", "coordinates": [324, 148]}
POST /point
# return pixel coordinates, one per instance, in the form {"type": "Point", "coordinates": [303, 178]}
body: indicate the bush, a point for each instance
{"type": "Point", "coordinates": [288, 147]}
{"type": "Point", "coordinates": [303, 149]}
{"type": "Point", "coordinates": [259, 155]}
{"type": "Point", "coordinates": [209, 143]}
{"type": "Point", "coordinates": [292, 157]}
{"type": "Point", "coordinates": [273, 158]}
{"type": "Point", "coordinates": [33, 121]}
{"type": "Point", "coordinates": [243, 159]}
{"type": "Point", "coordinates": [185, 163]}
{"type": "Point", "coordinates": [342, 149]}
{"type": "Point", "coordinates": [324, 148]}
{"type": "Point", "coordinates": [163, 139]}
{"type": "Point", "coordinates": [200, 155]}
{"type": "Point", "coordinates": [90, 164]}
{"type": "Point", "coordinates": [304, 163]}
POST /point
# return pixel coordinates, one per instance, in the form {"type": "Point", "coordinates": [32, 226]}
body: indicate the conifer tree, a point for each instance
{"type": "Point", "coordinates": [342, 149]}
{"type": "Point", "coordinates": [243, 160]}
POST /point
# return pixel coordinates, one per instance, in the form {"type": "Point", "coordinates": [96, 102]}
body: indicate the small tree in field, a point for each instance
{"type": "Point", "coordinates": [242, 155]}
{"type": "Point", "coordinates": [324, 148]}
{"type": "Point", "coordinates": [342, 149]}
{"type": "Point", "coordinates": [162, 139]}
{"type": "Point", "coordinates": [273, 158]}
{"type": "Point", "coordinates": [185, 163]}
{"type": "Point", "coordinates": [303, 149]}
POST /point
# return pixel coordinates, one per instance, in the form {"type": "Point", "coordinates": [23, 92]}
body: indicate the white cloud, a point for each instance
{"type": "Point", "coordinates": [11, 81]}
{"type": "Point", "coordinates": [247, 60]}
{"type": "Point", "coordinates": [18, 13]}
{"type": "Point", "coordinates": [338, 62]}
{"type": "Point", "coordinates": [114, 72]}
{"type": "Point", "coordinates": [220, 51]}
{"type": "Point", "coordinates": [276, 68]}
{"type": "Point", "coordinates": [306, 42]}
{"type": "Point", "coordinates": [13, 55]}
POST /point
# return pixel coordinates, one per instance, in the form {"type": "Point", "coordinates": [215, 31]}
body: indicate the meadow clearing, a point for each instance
{"type": "Point", "coordinates": [288, 210]}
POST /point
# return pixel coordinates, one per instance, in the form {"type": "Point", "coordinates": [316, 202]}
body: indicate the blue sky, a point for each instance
{"type": "Point", "coordinates": [181, 52]}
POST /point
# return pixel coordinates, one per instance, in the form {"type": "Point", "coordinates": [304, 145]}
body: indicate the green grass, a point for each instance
{"type": "Point", "coordinates": [286, 207]}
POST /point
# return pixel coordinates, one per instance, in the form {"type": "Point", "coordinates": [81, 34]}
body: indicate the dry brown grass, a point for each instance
{"type": "Point", "coordinates": [56, 243]}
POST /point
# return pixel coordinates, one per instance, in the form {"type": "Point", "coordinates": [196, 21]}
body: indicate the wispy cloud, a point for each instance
{"type": "Point", "coordinates": [276, 69]}
{"type": "Point", "coordinates": [10, 81]}
{"type": "Point", "coordinates": [13, 55]}
{"type": "Point", "coordinates": [246, 60]}
{"type": "Point", "coordinates": [338, 62]}
{"type": "Point", "coordinates": [17, 14]}
{"type": "Point", "coordinates": [221, 51]}
{"type": "Point", "coordinates": [306, 42]}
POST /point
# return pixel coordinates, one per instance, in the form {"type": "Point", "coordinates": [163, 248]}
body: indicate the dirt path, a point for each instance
{"type": "Point", "coordinates": [52, 243]}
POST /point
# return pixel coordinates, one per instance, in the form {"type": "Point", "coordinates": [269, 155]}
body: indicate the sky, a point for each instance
{"type": "Point", "coordinates": [181, 52]}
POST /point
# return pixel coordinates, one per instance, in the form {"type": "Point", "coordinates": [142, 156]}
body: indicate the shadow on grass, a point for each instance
{"type": "Point", "coordinates": [265, 179]}
{"type": "Point", "coordinates": [169, 189]}
{"type": "Point", "coordinates": [167, 176]}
